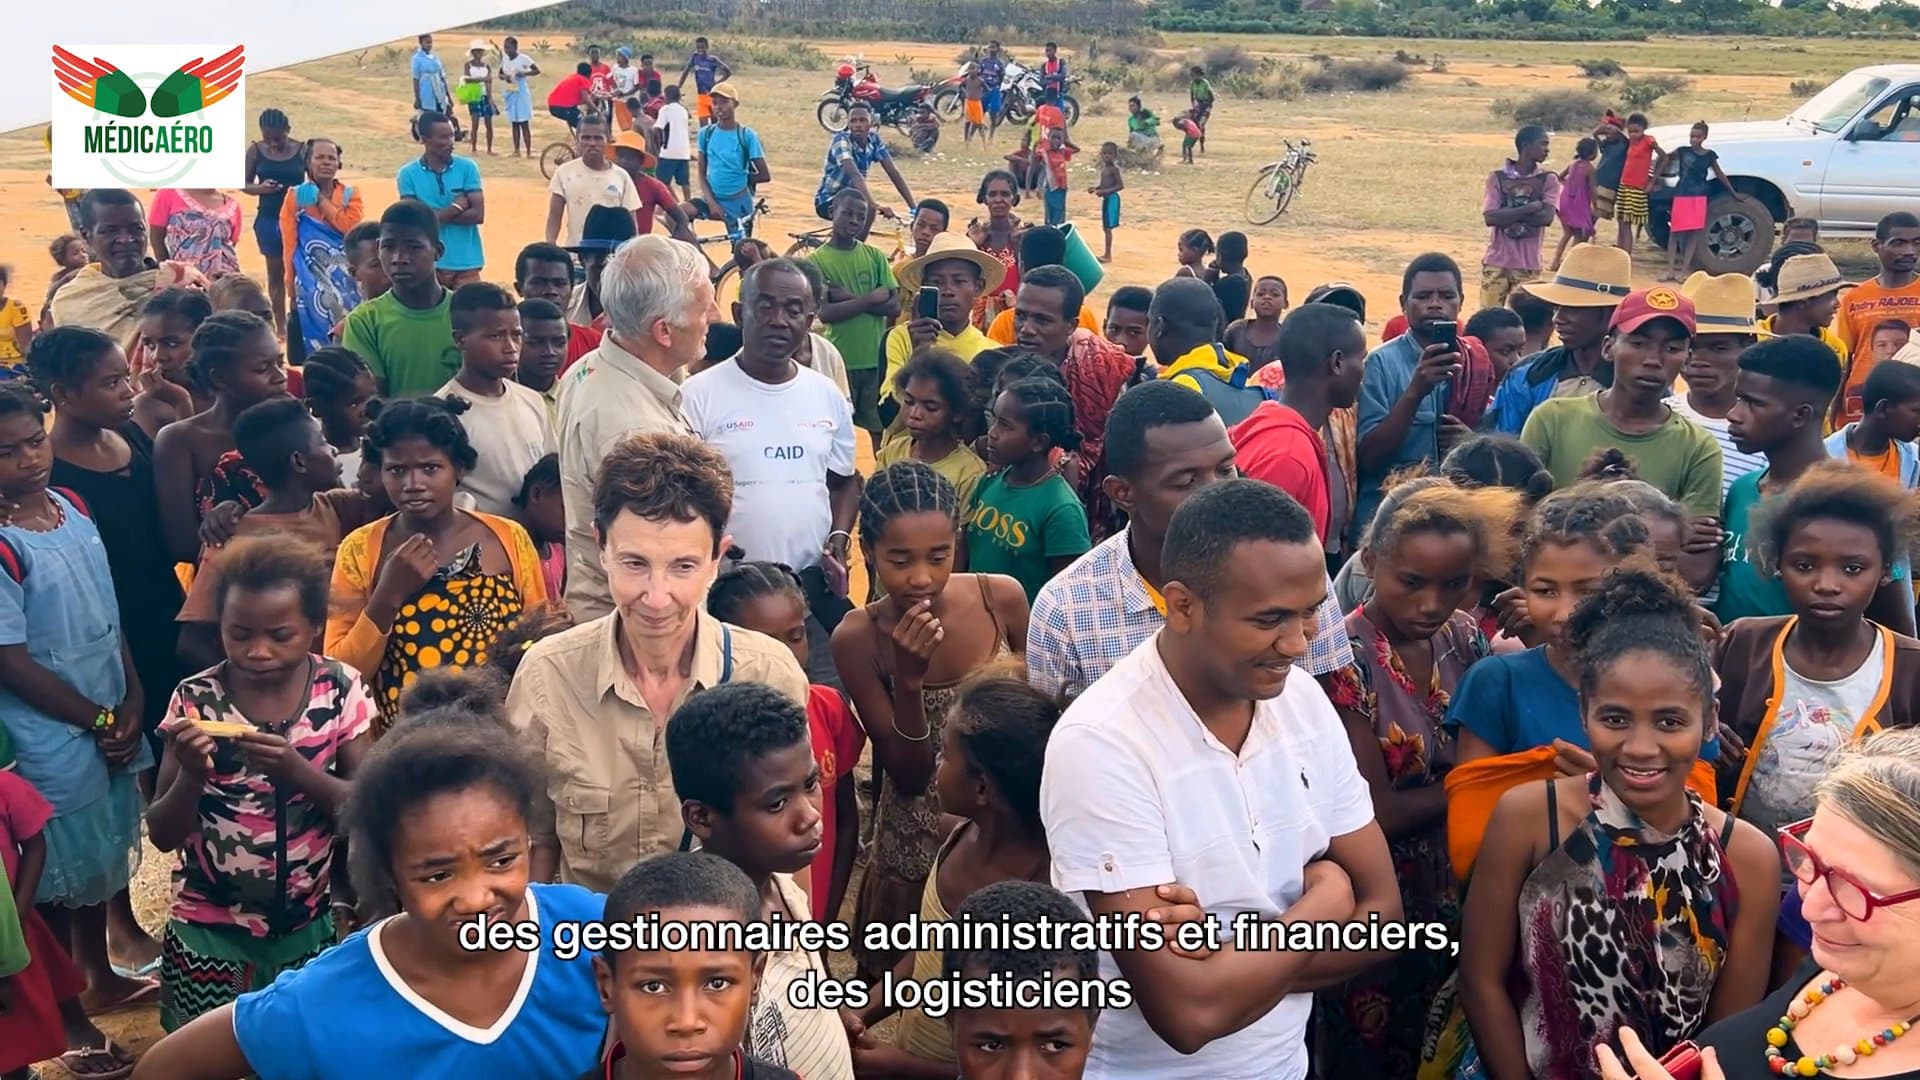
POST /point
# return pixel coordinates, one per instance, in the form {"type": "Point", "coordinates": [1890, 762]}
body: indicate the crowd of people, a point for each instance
{"type": "Point", "coordinates": [509, 611]}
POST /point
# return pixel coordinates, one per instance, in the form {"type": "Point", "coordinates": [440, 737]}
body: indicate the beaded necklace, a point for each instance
{"type": "Point", "coordinates": [1844, 1054]}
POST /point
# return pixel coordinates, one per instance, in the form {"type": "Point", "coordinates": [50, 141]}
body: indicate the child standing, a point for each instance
{"type": "Point", "coordinates": [43, 1018]}
{"type": "Point", "coordinates": [406, 335]}
{"type": "Point", "coordinates": [454, 793]}
{"type": "Point", "coordinates": [1191, 252]}
{"type": "Point", "coordinates": [538, 510]}
{"type": "Point", "coordinates": [934, 410]}
{"type": "Point", "coordinates": [1050, 159]}
{"type": "Point", "coordinates": [338, 387]}
{"type": "Point", "coordinates": [1636, 180]}
{"type": "Point", "coordinates": [508, 423]}
{"type": "Point", "coordinates": [688, 888]}
{"type": "Point", "coordinates": [1258, 338]}
{"type": "Point", "coordinates": [260, 748]}
{"type": "Point", "coordinates": [988, 781]}
{"type": "Point", "coordinates": [1795, 688]}
{"type": "Point", "coordinates": [1689, 216]}
{"type": "Point", "coordinates": [767, 597]}
{"type": "Point", "coordinates": [1576, 198]}
{"type": "Point", "coordinates": [70, 697]}
{"type": "Point", "coordinates": [1027, 522]}
{"type": "Point", "coordinates": [16, 326]}
{"type": "Point", "coordinates": [1606, 174]}
{"type": "Point", "coordinates": [1429, 544]}
{"type": "Point", "coordinates": [902, 659]}
{"type": "Point", "coordinates": [749, 791]}
{"type": "Point", "coordinates": [975, 93]}
{"type": "Point", "coordinates": [1571, 858]}
{"type": "Point", "coordinates": [1200, 104]}
{"type": "Point", "coordinates": [1108, 191]}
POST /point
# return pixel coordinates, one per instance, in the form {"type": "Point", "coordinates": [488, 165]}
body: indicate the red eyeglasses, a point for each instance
{"type": "Point", "coordinates": [1856, 901]}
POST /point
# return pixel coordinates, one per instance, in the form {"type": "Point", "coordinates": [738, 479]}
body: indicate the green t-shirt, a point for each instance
{"type": "Point", "coordinates": [1015, 530]}
{"type": "Point", "coordinates": [1747, 591]}
{"type": "Point", "coordinates": [410, 352]}
{"type": "Point", "coordinates": [1679, 457]}
{"type": "Point", "coordinates": [13, 940]}
{"type": "Point", "coordinates": [858, 271]}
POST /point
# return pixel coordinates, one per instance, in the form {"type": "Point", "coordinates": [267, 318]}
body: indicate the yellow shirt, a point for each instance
{"type": "Point", "coordinates": [966, 345]}
{"type": "Point", "coordinates": [13, 316]}
{"type": "Point", "coordinates": [962, 468]}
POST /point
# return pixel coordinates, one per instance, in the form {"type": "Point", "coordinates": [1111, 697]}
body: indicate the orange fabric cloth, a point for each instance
{"type": "Point", "coordinates": [1002, 332]}
{"type": "Point", "coordinates": [342, 215]}
{"type": "Point", "coordinates": [1475, 787]}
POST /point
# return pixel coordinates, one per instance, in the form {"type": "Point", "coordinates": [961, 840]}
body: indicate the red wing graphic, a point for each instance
{"type": "Point", "coordinates": [219, 76]}
{"type": "Point", "coordinates": [77, 77]}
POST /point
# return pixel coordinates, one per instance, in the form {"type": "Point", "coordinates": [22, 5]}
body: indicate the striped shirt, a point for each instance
{"type": "Point", "coordinates": [1096, 611]}
{"type": "Point", "coordinates": [1733, 463]}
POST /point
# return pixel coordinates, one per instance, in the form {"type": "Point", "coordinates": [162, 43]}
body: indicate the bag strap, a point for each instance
{"type": "Point", "coordinates": [726, 676]}
{"type": "Point", "coordinates": [73, 497]}
{"type": "Point", "coordinates": [11, 563]}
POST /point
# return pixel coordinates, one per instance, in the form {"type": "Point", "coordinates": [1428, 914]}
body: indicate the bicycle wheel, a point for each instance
{"type": "Point", "coordinates": [726, 287]}
{"type": "Point", "coordinates": [802, 245]}
{"type": "Point", "coordinates": [1296, 178]}
{"type": "Point", "coordinates": [555, 156]}
{"type": "Point", "coordinates": [1265, 200]}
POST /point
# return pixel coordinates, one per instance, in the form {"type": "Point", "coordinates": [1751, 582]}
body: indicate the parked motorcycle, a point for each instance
{"type": "Point", "coordinates": [1020, 94]}
{"type": "Point", "coordinates": [856, 83]}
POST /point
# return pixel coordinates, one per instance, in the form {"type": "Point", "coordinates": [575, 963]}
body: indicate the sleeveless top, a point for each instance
{"type": "Point", "coordinates": [907, 828]}
{"type": "Point", "coordinates": [1621, 926]}
{"type": "Point", "coordinates": [291, 172]}
{"type": "Point", "coordinates": [916, 1032]}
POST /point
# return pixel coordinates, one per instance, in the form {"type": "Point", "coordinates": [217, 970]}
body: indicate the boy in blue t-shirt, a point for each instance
{"type": "Point", "coordinates": [642, 988]}
{"type": "Point", "coordinates": [732, 163]}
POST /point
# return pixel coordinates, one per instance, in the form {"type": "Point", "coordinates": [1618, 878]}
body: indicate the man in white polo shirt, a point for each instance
{"type": "Point", "coordinates": [1219, 764]}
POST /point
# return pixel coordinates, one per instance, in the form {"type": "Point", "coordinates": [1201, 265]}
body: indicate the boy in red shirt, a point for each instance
{"type": "Point", "coordinates": [568, 94]}
{"type": "Point", "coordinates": [1322, 351]}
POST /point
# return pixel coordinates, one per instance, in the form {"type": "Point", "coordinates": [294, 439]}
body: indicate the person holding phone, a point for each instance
{"type": "Point", "coordinates": [1403, 416]}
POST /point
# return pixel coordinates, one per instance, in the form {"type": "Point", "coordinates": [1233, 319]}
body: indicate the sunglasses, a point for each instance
{"type": "Point", "coordinates": [1856, 901]}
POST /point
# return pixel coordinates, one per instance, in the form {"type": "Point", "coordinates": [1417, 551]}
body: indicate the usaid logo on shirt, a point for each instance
{"type": "Point", "coordinates": [149, 116]}
{"type": "Point", "coordinates": [737, 424]}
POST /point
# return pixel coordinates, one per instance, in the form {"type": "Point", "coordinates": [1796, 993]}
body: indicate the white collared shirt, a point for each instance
{"type": "Point", "coordinates": [1175, 805]}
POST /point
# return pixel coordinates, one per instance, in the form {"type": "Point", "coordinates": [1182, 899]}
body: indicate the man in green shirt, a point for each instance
{"type": "Point", "coordinates": [1781, 394]}
{"type": "Point", "coordinates": [862, 299]}
{"type": "Point", "coordinates": [406, 336]}
{"type": "Point", "coordinates": [1649, 338]}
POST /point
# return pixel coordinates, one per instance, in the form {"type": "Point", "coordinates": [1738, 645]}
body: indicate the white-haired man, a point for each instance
{"type": "Point", "coordinates": [658, 303]}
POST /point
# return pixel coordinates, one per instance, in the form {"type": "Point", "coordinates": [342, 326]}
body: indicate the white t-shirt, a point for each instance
{"type": "Point", "coordinates": [515, 69]}
{"type": "Point", "coordinates": [511, 433]}
{"type": "Point", "coordinates": [584, 188]}
{"type": "Point", "coordinates": [676, 144]}
{"type": "Point", "coordinates": [1176, 805]}
{"type": "Point", "coordinates": [781, 441]}
{"type": "Point", "coordinates": [1815, 719]}
{"type": "Point", "coordinates": [624, 80]}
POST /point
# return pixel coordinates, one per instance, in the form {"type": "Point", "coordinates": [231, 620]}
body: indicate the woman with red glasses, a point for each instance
{"type": "Point", "coordinates": [1849, 1010]}
{"type": "Point", "coordinates": [1618, 899]}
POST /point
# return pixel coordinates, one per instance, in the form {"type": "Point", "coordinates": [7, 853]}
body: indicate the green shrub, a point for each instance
{"type": "Point", "coordinates": [1402, 56]}
{"type": "Point", "coordinates": [1555, 110]}
{"type": "Point", "coordinates": [1600, 69]}
{"type": "Point", "coordinates": [1642, 92]}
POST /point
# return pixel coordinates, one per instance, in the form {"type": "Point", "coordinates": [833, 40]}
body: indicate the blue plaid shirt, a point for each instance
{"type": "Point", "coordinates": [841, 148]}
{"type": "Point", "coordinates": [1095, 612]}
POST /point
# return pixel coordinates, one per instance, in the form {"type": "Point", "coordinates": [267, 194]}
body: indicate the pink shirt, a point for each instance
{"type": "Point", "coordinates": [199, 235]}
{"type": "Point", "coordinates": [1516, 253]}
{"type": "Point", "coordinates": [23, 814]}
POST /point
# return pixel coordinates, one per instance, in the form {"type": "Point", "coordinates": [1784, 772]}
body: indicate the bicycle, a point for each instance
{"type": "Point", "coordinates": [559, 153]}
{"type": "Point", "coordinates": [726, 276]}
{"type": "Point", "coordinates": [1278, 182]}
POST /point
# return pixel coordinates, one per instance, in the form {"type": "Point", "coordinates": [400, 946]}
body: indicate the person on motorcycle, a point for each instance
{"type": "Point", "coordinates": [850, 154]}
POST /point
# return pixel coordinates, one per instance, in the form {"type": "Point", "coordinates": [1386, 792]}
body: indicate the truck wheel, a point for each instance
{"type": "Point", "coordinates": [1739, 235]}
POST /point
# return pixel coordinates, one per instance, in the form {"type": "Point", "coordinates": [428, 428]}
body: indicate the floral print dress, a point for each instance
{"type": "Point", "coordinates": [1377, 1023]}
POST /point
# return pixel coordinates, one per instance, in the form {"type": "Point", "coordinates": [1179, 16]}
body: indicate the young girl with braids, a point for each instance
{"type": "Point", "coordinates": [1639, 904]}
{"type": "Point", "coordinates": [163, 358]}
{"type": "Point", "coordinates": [430, 585]}
{"type": "Point", "coordinates": [988, 784]}
{"type": "Point", "coordinates": [1430, 543]}
{"type": "Point", "coordinates": [1027, 521]}
{"type": "Point", "coordinates": [935, 407]}
{"type": "Point", "coordinates": [338, 386]}
{"type": "Point", "coordinates": [767, 597]}
{"type": "Point", "coordinates": [238, 358]}
{"type": "Point", "coordinates": [902, 659]}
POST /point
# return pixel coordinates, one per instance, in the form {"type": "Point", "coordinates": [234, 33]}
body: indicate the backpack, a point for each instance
{"type": "Point", "coordinates": [1231, 397]}
{"type": "Point", "coordinates": [11, 560]}
{"type": "Point", "coordinates": [740, 140]}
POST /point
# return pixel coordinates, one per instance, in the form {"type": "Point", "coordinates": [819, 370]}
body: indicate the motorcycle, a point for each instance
{"type": "Point", "coordinates": [855, 83]}
{"type": "Point", "coordinates": [1021, 94]}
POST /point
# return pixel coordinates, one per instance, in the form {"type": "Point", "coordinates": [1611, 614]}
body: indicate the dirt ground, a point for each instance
{"type": "Point", "coordinates": [1399, 175]}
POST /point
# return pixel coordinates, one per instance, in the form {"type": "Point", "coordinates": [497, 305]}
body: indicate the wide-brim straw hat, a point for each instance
{"type": "Point", "coordinates": [1591, 276]}
{"type": "Point", "coordinates": [1723, 303]}
{"type": "Point", "coordinates": [946, 246]}
{"type": "Point", "coordinates": [1806, 277]}
{"type": "Point", "coordinates": [632, 140]}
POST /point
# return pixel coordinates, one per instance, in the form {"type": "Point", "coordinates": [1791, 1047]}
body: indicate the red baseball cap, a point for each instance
{"type": "Point", "coordinates": [1642, 306]}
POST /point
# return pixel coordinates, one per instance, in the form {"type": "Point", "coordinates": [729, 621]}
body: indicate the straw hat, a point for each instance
{"type": "Point", "coordinates": [1591, 276]}
{"type": "Point", "coordinates": [725, 90]}
{"type": "Point", "coordinates": [946, 246]}
{"type": "Point", "coordinates": [1724, 303]}
{"type": "Point", "coordinates": [1806, 277]}
{"type": "Point", "coordinates": [632, 140]}
{"type": "Point", "coordinates": [478, 45]}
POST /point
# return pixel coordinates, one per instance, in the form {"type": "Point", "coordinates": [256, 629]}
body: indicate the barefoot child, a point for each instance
{"type": "Point", "coordinates": [1576, 198]}
{"type": "Point", "coordinates": [260, 749]}
{"type": "Point", "coordinates": [640, 988]}
{"type": "Point", "coordinates": [439, 814]}
{"type": "Point", "coordinates": [1688, 222]}
{"type": "Point", "coordinates": [1108, 191]}
{"type": "Point", "coordinates": [767, 597]}
{"type": "Point", "coordinates": [749, 792]}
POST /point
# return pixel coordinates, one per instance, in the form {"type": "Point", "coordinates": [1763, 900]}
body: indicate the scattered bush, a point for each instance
{"type": "Point", "coordinates": [1438, 65]}
{"type": "Point", "coordinates": [1220, 60]}
{"type": "Point", "coordinates": [392, 54]}
{"type": "Point", "coordinates": [923, 76]}
{"type": "Point", "coordinates": [1354, 76]}
{"type": "Point", "coordinates": [1642, 92]}
{"type": "Point", "coordinates": [1555, 110]}
{"type": "Point", "coordinates": [1806, 88]}
{"type": "Point", "coordinates": [543, 46]}
{"type": "Point", "coordinates": [1129, 53]}
{"type": "Point", "coordinates": [1402, 56]}
{"type": "Point", "coordinates": [1600, 69]}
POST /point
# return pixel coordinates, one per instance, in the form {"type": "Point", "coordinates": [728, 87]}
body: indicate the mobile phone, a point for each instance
{"type": "Point", "coordinates": [1443, 333]}
{"type": "Point", "coordinates": [1682, 1062]}
{"type": "Point", "coordinates": [928, 306]}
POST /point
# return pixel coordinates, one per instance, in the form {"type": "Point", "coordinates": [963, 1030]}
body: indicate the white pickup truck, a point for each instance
{"type": "Point", "coordinates": [1847, 158]}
